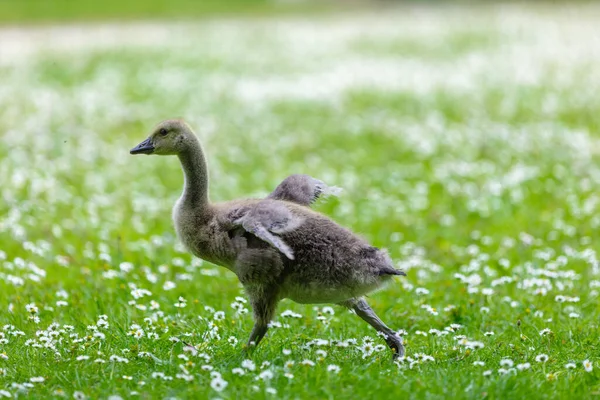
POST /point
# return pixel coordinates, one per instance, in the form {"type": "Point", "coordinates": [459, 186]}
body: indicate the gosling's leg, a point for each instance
{"type": "Point", "coordinates": [263, 304]}
{"type": "Point", "coordinates": [258, 271]}
{"type": "Point", "coordinates": [364, 311]}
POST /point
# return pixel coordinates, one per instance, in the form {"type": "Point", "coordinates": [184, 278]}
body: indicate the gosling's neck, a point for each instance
{"type": "Point", "coordinates": [195, 190]}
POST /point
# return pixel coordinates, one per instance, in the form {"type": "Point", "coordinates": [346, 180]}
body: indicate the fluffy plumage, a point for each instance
{"type": "Point", "coordinates": [278, 247]}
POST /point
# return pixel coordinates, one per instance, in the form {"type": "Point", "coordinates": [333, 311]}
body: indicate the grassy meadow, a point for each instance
{"type": "Point", "coordinates": [467, 142]}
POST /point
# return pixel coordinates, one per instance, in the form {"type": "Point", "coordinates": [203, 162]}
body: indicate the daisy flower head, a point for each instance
{"type": "Point", "coordinates": [545, 332]}
{"type": "Point", "coordinates": [218, 384]}
{"type": "Point", "coordinates": [31, 308]}
{"type": "Point", "coordinates": [79, 395]}
{"type": "Point", "coordinates": [266, 375]}
{"type": "Point", "coordinates": [219, 316]}
{"type": "Point", "coordinates": [506, 362]}
{"type": "Point", "coordinates": [333, 368]}
{"type": "Point", "coordinates": [523, 367]}
{"type": "Point", "coordinates": [308, 363]}
{"type": "Point", "coordinates": [249, 365]}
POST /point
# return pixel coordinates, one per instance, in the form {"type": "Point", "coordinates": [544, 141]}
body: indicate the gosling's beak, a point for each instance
{"type": "Point", "coordinates": [146, 147]}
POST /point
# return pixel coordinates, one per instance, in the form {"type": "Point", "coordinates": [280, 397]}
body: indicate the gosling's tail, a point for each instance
{"type": "Point", "coordinates": [391, 271]}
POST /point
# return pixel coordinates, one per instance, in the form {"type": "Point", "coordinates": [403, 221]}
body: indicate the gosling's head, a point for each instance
{"type": "Point", "coordinates": [170, 137]}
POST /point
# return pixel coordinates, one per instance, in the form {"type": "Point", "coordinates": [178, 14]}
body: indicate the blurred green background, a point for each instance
{"type": "Point", "coordinates": [41, 11]}
{"type": "Point", "coordinates": [18, 11]}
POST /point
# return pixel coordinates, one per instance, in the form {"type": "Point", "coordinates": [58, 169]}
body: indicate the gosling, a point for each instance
{"type": "Point", "coordinates": [278, 247]}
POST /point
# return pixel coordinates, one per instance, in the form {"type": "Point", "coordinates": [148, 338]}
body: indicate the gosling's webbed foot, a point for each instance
{"type": "Point", "coordinates": [395, 343]}
{"type": "Point", "coordinates": [362, 309]}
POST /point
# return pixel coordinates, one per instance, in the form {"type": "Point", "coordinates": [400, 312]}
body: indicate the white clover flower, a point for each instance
{"type": "Point", "coordinates": [541, 358]}
{"type": "Point", "coordinates": [570, 366]}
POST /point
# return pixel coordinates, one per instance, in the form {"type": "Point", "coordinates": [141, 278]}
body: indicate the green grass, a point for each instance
{"type": "Point", "coordinates": [44, 11]}
{"type": "Point", "coordinates": [471, 155]}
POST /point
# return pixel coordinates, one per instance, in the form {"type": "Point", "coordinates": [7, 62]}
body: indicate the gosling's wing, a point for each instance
{"type": "Point", "coordinates": [302, 189]}
{"type": "Point", "coordinates": [268, 218]}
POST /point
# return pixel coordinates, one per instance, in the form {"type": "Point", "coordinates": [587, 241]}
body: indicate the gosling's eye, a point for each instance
{"type": "Point", "coordinates": [163, 132]}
